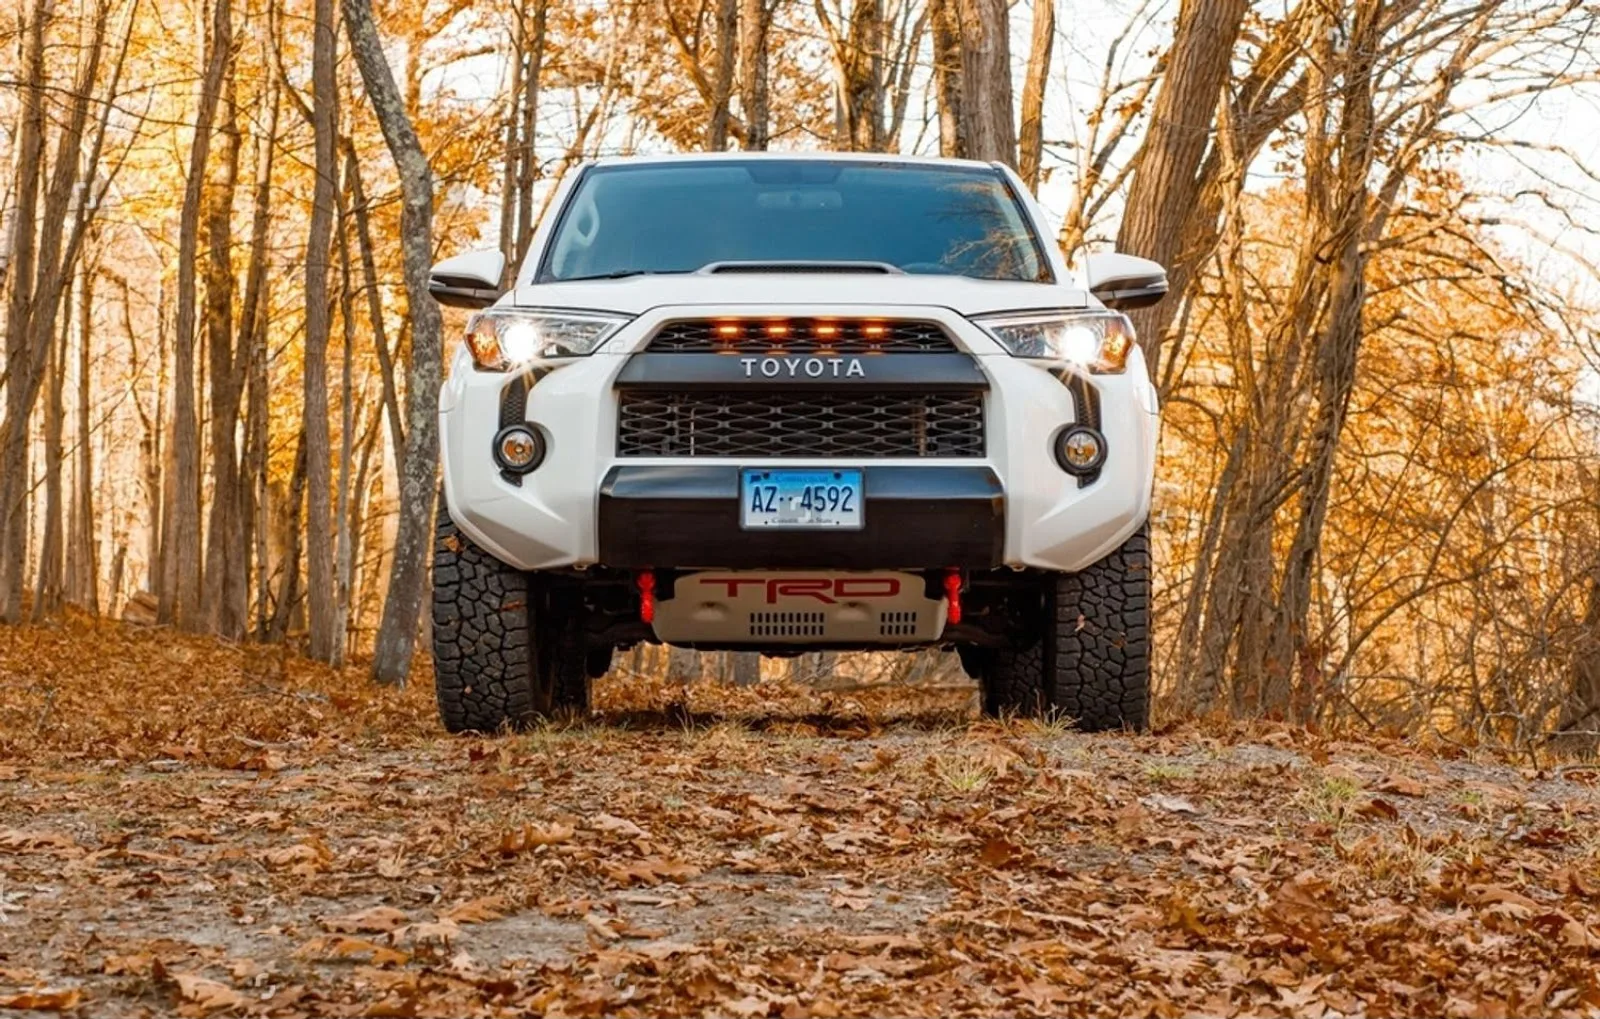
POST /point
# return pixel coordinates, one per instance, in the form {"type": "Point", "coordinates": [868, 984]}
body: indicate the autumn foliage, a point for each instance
{"type": "Point", "coordinates": [202, 829]}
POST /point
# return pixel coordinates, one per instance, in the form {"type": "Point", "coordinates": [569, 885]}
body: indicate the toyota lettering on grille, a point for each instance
{"type": "Point", "coordinates": [809, 367]}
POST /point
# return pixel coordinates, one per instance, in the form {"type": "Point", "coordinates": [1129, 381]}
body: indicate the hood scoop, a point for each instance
{"type": "Point", "coordinates": [823, 267]}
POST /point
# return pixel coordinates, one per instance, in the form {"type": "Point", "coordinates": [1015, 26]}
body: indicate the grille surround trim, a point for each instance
{"type": "Point", "coordinates": [902, 336]}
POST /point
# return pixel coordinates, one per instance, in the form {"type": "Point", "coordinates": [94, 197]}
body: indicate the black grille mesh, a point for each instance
{"type": "Point", "coordinates": [800, 424]}
{"type": "Point", "coordinates": [800, 336]}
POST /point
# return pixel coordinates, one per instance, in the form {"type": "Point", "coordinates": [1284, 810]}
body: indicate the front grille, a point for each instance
{"type": "Point", "coordinates": [800, 336]}
{"type": "Point", "coordinates": [800, 424]}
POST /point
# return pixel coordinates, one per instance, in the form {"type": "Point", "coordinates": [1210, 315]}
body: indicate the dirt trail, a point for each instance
{"type": "Point", "coordinates": [219, 848]}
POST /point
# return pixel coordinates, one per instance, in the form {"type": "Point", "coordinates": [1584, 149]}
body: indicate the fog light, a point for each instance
{"type": "Point", "coordinates": [1080, 450]}
{"type": "Point", "coordinates": [518, 449]}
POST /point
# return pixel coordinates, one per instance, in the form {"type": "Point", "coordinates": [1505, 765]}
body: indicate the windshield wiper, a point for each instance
{"type": "Point", "coordinates": [622, 274]}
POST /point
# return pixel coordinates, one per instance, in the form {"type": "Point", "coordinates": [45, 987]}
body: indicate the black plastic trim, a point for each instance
{"type": "Point", "coordinates": [802, 371]}
{"type": "Point", "coordinates": [1086, 411]}
{"type": "Point", "coordinates": [514, 408]}
{"type": "Point", "coordinates": [914, 518]}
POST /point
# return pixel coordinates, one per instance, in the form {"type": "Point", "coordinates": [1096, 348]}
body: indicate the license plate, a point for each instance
{"type": "Point", "coordinates": [823, 500]}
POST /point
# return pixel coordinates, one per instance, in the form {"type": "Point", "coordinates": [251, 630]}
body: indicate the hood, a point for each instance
{"type": "Point", "coordinates": [635, 295]}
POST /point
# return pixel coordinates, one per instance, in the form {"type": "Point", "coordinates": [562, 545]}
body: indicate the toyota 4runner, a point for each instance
{"type": "Point", "coordinates": [789, 403]}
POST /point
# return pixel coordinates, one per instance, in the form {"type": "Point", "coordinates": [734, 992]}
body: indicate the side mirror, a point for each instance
{"type": "Point", "coordinates": [1125, 281]}
{"type": "Point", "coordinates": [471, 280]}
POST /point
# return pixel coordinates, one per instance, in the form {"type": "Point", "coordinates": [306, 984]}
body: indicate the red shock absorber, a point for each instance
{"type": "Point", "coordinates": [952, 592]}
{"type": "Point", "coordinates": [646, 582]}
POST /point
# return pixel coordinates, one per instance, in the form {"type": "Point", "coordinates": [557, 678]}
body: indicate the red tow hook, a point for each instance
{"type": "Point", "coordinates": [646, 582]}
{"type": "Point", "coordinates": [952, 592]}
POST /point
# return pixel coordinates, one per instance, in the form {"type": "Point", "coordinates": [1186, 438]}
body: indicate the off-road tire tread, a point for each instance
{"type": "Point", "coordinates": [1101, 637]}
{"type": "Point", "coordinates": [1092, 664]}
{"type": "Point", "coordinates": [483, 664]}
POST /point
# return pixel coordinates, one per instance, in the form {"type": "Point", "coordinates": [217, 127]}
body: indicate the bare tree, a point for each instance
{"type": "Point", "coordinates": [722, 83]}
{"type": "Point", "coordinates": [1034, 80]}
{"type": "Point", "coordinates": [397, 633]}
{"type": "Point", "coordinates": [1165, 171]}
{"type": "Point", "coordinates": [988, 131]}
{"type": "Point", "coordinates": [755, 19]}
{"type": "Point", "coordinates": [323, 613]}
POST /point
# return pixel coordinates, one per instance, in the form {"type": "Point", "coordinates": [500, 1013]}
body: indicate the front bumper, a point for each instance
{"type": "Point", "coordinates": [586, 506]}
{"type": "Point", "coordinates": [685, 517]}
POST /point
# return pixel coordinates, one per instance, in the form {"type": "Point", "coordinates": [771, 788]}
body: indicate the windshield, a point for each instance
{"type": "Point", "coordinates": [679, 217]}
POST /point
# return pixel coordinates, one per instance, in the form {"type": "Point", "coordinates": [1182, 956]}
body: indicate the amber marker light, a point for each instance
{"type": "Point", "coordinates": [826, 331]}
{"type": "Point", "coordinates": [728, 330]}
{"type": "Point", "coordinates": [777, 330]}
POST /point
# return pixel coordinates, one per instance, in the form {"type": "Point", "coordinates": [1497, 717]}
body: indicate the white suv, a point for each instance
{"type": "Point", "coordinates": [787, 403]}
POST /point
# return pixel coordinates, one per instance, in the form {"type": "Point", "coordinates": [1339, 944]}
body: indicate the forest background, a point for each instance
{"type": "Point", "coordinates": [1378, 501]}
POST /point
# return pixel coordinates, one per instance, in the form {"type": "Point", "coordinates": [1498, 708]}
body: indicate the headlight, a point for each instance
{"type": "Point", "coordinates": [502, 338]}
{"type": "Point", "coordinates": [1098, 340]}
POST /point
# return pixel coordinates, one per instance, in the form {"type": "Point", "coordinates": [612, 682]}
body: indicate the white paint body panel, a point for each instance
{"type": "Point", "coordinates": [550, 521]}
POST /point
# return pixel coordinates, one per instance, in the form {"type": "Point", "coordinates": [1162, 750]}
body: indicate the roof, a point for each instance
{"type": "Point", "coordinates": [809, 156]}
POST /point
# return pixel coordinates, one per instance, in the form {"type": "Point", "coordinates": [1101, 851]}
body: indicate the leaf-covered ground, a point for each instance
{"type": "Point", "coordinates": [195, 828]}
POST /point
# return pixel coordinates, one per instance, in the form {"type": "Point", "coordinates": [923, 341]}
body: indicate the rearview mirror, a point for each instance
{"type": "Point", "coordinates": [471, 280]}
{"type": "Point", "coordinates": [1123, 281]}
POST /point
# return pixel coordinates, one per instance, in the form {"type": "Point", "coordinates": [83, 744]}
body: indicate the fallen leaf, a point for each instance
{"type": "Point", "coordinates": [340, 947]}
{"type": "Point", "coordinates": [44, 1000]}
{"type": "Point", "coordinates": [1379, 808]}
{"type": "Point", "coordinates": [616, 826]}
{"type": "Point", "coordinates": [377, 920]}
{"type": "Point", "coordinates": [998, 852]}
{"type": "Point", "coordinates": [599, 925]}
{"type": "Point", "coordinates": [1488, 895]}
{"type": "Point", "coordinates": [208, 994]}
{"type": "Point", "coordinates": [651, 871]}
{"type": "Point", "coordinates": [36, 841]}
{"type": "Point", "coordinates": [528, 837]}
{"type": "Point", "coordinates": [1171, 804]}
{"type": "Point", "coordinates": [747, 1007]}
{"type": "Point", "coordinates": [1402, 785]}
{"type": "Point", "coordinates": [480, 910]}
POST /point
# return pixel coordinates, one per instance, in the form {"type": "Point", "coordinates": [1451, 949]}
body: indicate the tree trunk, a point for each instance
{"type": "Point", "coordinates": [252, 354]}
{"type": "Point", "coordinates": [47, 589]}
{"type": "Point", "coordinates": [19, 276]}
{"type": "Point", "coordinates": [858, 77]}
{"type": "Point", "coordinates": [289, 561]}
{"type": "Point", "coordinates": [1579, 719]}
{"type": "Point", "coordinates": [946, 18]}
{"type": "Point", "coordinates": [323, 617]}
{"type": "Point", "coordinates": [226, 561]}
{"type": "Point", "coordinates": [408, 578]}
{"type": "Point", "coordinates": [512, 149]}
{"type": "Point", "coordinates": [755, 16]}
{"type": "Point", "coordinates": [84, 588]}
{"type": "Point", "coordinates": [683, 666]}
{"type": "Point", "coordinates": [1165, 169]}
{"type": "Point", "coordinates": [722, 83]}
{"type": "Point", "coordinates": [527, 153]}
{"type": "Point", "coordinates": [369, 283]}
{"type": "Point", "coordinates": [1031, 142]}
{"type": "Point", "coordinates": [179, 601]}
{"type": "Point", "coordinates": [344, 565]}
{"type": "Point", "coordinates": [988, 129]}
{"type": "Point", "coordinates": [746, 668]}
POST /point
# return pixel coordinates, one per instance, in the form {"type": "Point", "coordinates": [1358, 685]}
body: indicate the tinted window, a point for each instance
{"type": "Point", "coordinates": [678, 217]}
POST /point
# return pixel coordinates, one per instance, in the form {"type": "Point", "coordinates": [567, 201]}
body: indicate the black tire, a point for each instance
{"type": "Point", "coordinates": [501, 659]}
{"type": "Point", "coordinates": [1092, 663]}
